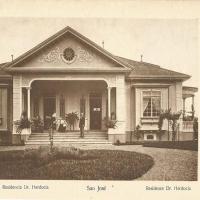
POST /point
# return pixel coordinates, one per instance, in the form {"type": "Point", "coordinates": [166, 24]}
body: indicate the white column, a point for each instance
{"type": "Point", "coordinates": [183, 107]}
{"type": "Point", "coordinates": [121, 104]}
{"type": "Point", "coordinates": [109, 100]}
{"type": "Point", "coordinates": [193, 100]}
{"type": "Point", "coordinates": [29, 102]}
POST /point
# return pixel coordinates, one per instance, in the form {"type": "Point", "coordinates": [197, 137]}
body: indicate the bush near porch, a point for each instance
{"type": "Point", "coordinates": [184, 145]}
{"type": "Point", "coordinates": [73, 164]}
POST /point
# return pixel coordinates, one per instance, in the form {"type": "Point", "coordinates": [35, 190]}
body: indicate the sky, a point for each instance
{"type": "Point", "coordinates": [170, 43]}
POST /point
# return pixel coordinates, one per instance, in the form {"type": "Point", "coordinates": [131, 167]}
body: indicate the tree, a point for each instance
{"type": "Point", "coordinates": [137, 132]}
{"type": "Point", "coordinates": [195, 128]}
{"type": "Point", "coordinates": [172, 120]}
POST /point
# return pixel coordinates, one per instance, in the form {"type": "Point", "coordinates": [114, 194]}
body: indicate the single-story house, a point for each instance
{"type": "Point", "coordinates": [70, 73]}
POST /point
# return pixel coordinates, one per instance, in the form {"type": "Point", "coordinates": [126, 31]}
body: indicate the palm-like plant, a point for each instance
{"type": "Point", "coordinates": [172, 119]}
{"type": "Point", "coordinates": [71, 119]}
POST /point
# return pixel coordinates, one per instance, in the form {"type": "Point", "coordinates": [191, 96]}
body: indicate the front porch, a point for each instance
{"type": "Point", "coordinates": [94, 98]}
{"type": "Point", "coordinates": [64, 97]}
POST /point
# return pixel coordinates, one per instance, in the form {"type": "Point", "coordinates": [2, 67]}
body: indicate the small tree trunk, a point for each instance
{"type": "Point", "coordinates": [168, 130]}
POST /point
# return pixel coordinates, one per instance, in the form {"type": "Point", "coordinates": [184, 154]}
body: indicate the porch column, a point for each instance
{"type": "Point", "coordinates": [120, 109]}
{"type": "Point", "coordinates": [193, 106]}
{"type": "Point", "coordinates": [109, 90]}
{"type": "Point", "coordinates": [183, 107]}
{"type": "Point", "coordinates": [193, 100]}
{"type": "Point", "coordinates": [29, 102]}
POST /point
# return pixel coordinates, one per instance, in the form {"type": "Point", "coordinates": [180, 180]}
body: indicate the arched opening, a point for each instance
{"type": "Point", "coordinates": [62, 97]}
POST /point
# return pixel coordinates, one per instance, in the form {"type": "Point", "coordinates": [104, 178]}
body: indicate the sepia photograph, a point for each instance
{"type": "Point", "coordinates": [99, 99]}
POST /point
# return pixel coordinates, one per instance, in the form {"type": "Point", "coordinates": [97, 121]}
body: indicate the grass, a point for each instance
{"type": "Point", "coordinates": [76, 165]}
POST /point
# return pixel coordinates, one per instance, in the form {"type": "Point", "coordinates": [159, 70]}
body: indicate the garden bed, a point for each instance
{"type": "Point", "coordinates": [65, 164]}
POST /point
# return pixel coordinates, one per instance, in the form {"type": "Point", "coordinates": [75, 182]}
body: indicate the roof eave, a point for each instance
{"type": "Point", "coordinates": [159, 78]}
{"type": "Point", "coordinates": [78, 70]}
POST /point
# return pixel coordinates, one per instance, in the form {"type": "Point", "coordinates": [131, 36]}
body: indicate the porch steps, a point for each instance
{"type": "Point", "coordinates": [68, 138]}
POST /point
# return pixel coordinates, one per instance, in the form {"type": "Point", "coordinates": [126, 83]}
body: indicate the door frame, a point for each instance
{"type": "Point", "coordinates": [45, 98]}
{"type": "Point", "coordinates": [100, 97]}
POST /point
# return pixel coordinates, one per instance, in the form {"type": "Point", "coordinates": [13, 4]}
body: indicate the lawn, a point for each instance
{"type": "Point", "coordinates": [75, 164]}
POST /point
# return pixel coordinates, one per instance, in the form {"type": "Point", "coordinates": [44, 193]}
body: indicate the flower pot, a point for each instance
{"type": "Point", "coordinates": [111, 131]}
{"type": "Point", "coordinates": [25, 133]}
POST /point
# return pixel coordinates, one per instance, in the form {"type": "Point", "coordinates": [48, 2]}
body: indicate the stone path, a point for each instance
{"type": "Point", "coordinates": [170, 164]}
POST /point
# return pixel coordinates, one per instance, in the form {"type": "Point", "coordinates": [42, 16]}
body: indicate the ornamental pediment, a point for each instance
{"type": "Point", "coordinates": [64, 51]}
{"type": "Point", "coordinates": [67, 55]}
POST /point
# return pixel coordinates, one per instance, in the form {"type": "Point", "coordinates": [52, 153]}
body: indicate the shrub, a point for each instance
{"type": "Point", "coordinates": [195, 128]}
{"type": "Point", "coordinates": [109, 123]}
{"type": "Point", "coordinates": [71, 119]}
{"type": "Point", "coordinates": [172, 119]}
{"type": "Point", "coordinates": [37, 125]}
{"type": "Point", "coordinates": [44, 154]}
{"type": "Point", "coordinates": [22, 123]}
{"type": "Point", "coordinates": [184, 145]}
{"type": "Point", "coordinates": [137, 132]}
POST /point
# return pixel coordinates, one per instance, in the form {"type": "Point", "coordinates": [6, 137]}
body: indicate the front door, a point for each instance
{"type": "Point", "coordinates": [49, 109]}
{"type": "Point", "coordinates": [95, 111]}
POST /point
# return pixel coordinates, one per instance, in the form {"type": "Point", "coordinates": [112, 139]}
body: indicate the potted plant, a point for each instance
{"type": "Point", "coordinates": [110, 125]}
{"type": "Point", "coordinates": [71, 119]}
{"type": "Point", "coordinates": [37, 125]}
{"type": "Point", "coordinates": [23, 126]}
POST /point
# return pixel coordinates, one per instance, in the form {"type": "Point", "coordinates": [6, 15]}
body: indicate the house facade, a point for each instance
{"type": "Point", "coordinates": [70, 73]}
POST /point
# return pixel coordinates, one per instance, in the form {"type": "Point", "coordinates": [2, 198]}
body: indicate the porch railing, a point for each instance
{"type": "Point", "coordinates": [187, 126]}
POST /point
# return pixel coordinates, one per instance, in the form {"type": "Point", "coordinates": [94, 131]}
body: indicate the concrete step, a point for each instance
{"type": "Point", "coordinates": [32, 135]}
{"type": "Point", "coordinates": [92, 137]}
{"type": "Point", "coordinates": [68, 142]}
{"type": "Point", "coordinates": [69, 134]}
{"type": "Point", "coordinates": [38, 139]}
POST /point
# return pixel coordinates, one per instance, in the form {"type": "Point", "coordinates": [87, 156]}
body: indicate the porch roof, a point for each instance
{"type": "Point", "coordinates": [189, 91]}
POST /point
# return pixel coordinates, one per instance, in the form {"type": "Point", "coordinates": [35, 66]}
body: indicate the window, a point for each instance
{"type": "Point", "coordinates": [151, 103]}
{"type": "Point", "coordinates": [69, 54]}
{"type": "Point", "coordinates": [3, 108]}
{"type": "Point", "coordinates": [150, 137]}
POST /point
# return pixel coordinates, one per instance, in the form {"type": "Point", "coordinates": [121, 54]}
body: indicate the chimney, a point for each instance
{"type": "Point", "coordinates": [103, 44]}
{"type": "Point", "coordinates": [141, 58]}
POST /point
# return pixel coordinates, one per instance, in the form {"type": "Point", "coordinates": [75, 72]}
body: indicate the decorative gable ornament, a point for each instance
{"type": "Point", "coordinates": [68, 55]}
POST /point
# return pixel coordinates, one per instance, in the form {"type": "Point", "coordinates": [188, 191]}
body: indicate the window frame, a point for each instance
{"type": "Point", "coordinates": [151, 97]}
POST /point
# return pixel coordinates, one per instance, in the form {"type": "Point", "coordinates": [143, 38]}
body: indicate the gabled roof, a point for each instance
{"type": "Point", "coordinates": [11, 66]}
{"type": "Point", "coordinates": [149, 71]}
{"type": "Point", "coordinates": [134, 69]}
